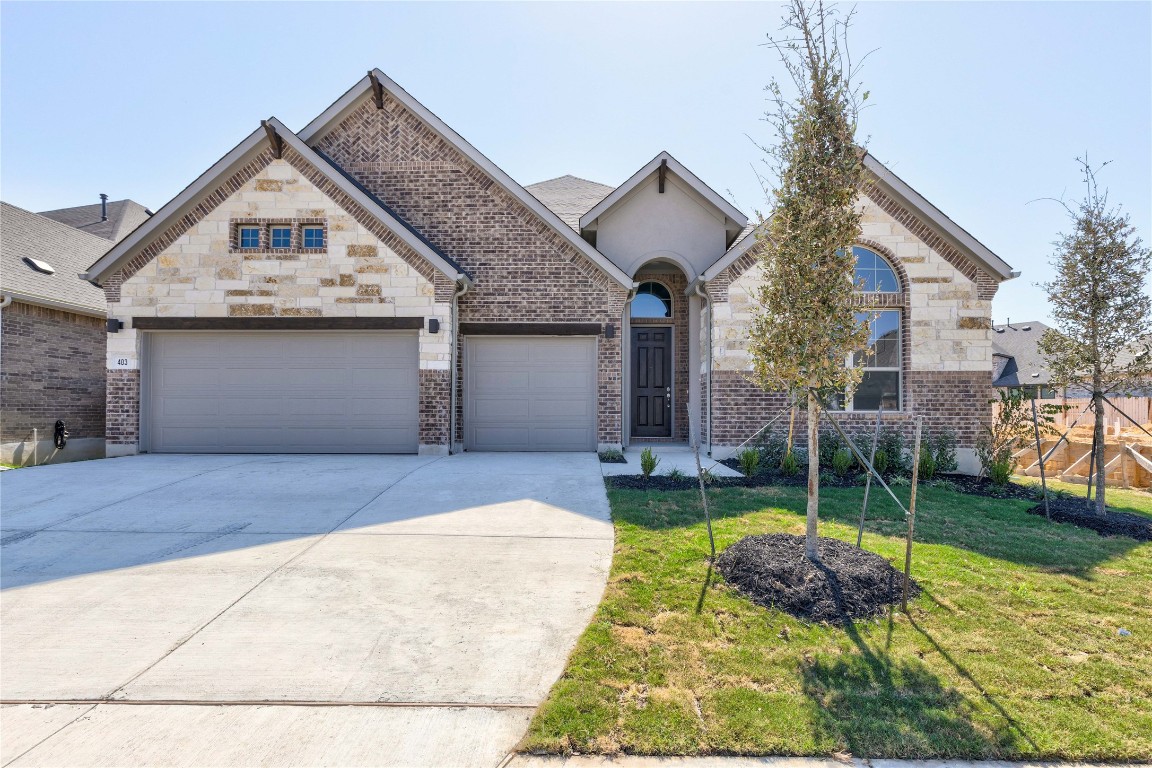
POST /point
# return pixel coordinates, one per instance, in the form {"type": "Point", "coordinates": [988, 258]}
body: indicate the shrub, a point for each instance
{"type": "Point", "coordinates": [648, 462]}
{"type": "Point", "coordinates": [927, 464]}
{"type": "Point", "coordinates": [772, 449]}
{"type": "Point", "coordinates": [789, 464]}
{"type": "Point", "coordinates": [880, 461]}
{"type": "Point", "coordinates": [676, 474]}
{"type": "Point", "coordinates": [1000, 471]}
{"type": "Point", "coordinates": [842, 462]}
{"type": "Point", "coordinates": [892, 443]}
{"type": "Point", "coordinates": [749, 461]}
{"type": "Point", "coordinates": [944, 451]}
{"type": "Point", "coordinates": [830, 445]}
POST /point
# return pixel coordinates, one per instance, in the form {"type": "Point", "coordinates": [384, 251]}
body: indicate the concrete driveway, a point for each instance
{"type": "Point", "coordinates": [291, 610]}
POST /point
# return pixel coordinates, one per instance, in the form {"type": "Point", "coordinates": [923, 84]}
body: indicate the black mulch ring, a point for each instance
{"type": "Point", "coordinates": [848, 584]}
{"type": "Point", "coordinates": [1077, 512]}
{"type": "Point", "coordinates": [982, 486]}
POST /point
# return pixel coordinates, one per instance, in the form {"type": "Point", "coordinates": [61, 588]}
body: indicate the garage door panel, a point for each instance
{"type": "Point", "coordinates": [530, 394]}
{"type": "Point", "coordinates": [326, 392]}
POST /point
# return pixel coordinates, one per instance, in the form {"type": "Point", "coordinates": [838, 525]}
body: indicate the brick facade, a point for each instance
{"type": "Point", "coordinates": [123, 407]}
{"type": "Point", "coordinates": [53, 368]}
{"type": "Point", "coordinates": [524, 271]}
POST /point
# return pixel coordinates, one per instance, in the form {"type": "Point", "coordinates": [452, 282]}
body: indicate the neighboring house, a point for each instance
{"type": "Point", "coordinates": [373, 283]}
{"type": "Point", "coordinates": [53, 333]}
{"type": "Point", "coordinates": [1017, 362]}
{"type": "Point", "coordinates": [109, 220]}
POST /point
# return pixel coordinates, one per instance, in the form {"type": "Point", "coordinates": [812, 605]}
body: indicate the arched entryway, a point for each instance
{"type": "Point", "coordinates": [657, 382]}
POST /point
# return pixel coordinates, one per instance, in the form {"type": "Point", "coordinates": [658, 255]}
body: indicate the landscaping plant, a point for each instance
{"type": "Point", "coordinates": [842, 462]}
{"type": "Point", "coordinates": [749, 461]}
{"type": "Point", "coordinates": [648, 462]}
{"type": "Point", "coordinates": [927, 464]}
{"type": "Point", "coordinates": [789, 466]}
{"type": "Point", "coordinates": [806, 326]}
{"type": "Point", "coordinates": [1102, 339]}
{"type": "Point", "coordinates": [943, 446]}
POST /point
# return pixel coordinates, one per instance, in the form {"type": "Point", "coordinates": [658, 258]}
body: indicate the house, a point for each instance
{"type": "Point", "coordinates": [374, 283]}
{"type": "Point", "coordinates": [1017, 362]}
{"type": "Point", "coordinates": [52, 340]}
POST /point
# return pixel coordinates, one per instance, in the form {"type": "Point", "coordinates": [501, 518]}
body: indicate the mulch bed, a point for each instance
{"type": "Point", "coordinates": [610, 459]}
{"type": "Point", "coordinates": [848, 584]}
{"type": "Point", "coordinates": [982, 486]}
{"type": "Point", "coordinates": [1113, 523]}
{"type": "Point", "coordinates": [759, 480]}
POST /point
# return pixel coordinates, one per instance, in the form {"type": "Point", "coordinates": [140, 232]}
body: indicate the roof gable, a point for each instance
{"type": "Point", "coordinates": [66, 249]}
{"type": "Point", "coordinates": [377, 83]}
{"type": "Point", "coordinates": [204, 195]}
{"type": "Point", "coordinates": [735, 220]}
{"type": "Point", "coordinates": [916, 214]}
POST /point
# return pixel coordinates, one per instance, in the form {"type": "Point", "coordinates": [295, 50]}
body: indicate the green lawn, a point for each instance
{"type": "Point", "coordinates": [1012, 651]}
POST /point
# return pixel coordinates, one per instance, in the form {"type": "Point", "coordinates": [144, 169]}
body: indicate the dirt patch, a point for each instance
{"type": "Point", "coordinates": [848, 584]}
{"type": "Point", "coordinates": [1112, 523]}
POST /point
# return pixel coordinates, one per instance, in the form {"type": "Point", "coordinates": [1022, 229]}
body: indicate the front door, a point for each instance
{"type": "Point", "coordinates": [651, 382]}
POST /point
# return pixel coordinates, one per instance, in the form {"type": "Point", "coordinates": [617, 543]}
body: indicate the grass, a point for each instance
{"type": "Point", "coordinates": [1012, 651]}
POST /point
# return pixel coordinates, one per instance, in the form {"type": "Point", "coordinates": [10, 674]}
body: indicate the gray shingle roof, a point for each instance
{"type": "Point", "coordinates": [569, 197]}
{"type": "Point", "coordinates": [69, 251]}
{"type": "Point", "coordinates": [123, 217]}
{"type": "Point", "coordinates": [1022, 365]}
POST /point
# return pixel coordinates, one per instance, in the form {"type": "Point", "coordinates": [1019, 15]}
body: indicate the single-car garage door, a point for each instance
{"type": "Point", "coordinates": [282, 392]}
{"type": "Point", "coordinates": [527, 393]}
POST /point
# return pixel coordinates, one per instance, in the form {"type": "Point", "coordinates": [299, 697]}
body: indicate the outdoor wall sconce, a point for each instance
{"type": "Point", "coordinates": [433, 325]}
{"type": "Point", "coordinates": [114, 325]}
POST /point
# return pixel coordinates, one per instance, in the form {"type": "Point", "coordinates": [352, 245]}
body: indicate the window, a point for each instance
{"type": "Point", "coordinates": [652, 300]}
{"type": "Point", "coordinates": [313, 237]}
{"type": "Point", "coordinates": [873, 272]}
{"type": "Point", "coordinates": [881, 363]}
{"type": "Point", "coordinates": [281, 237]}
{"type": "Point", "coordinates": [249, 237]}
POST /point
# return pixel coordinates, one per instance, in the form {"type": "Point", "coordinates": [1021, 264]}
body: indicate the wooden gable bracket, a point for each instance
{"type": "Point", "coordinates": [274, 139]}
{"type": "Point", "coordinates": [663, 172]}
{"type": "Point", "coordinates": [377, 89]}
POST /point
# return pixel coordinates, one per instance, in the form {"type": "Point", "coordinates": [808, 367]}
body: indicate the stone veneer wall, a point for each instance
{"type": "Point", "coordinates": [53, 368]}
{"type": "Point", "coordinates": [524, 271]}
{"type": "Point", "coordinates": [946, 321]}
{"type": "Point", "coordinates": [365, 271]}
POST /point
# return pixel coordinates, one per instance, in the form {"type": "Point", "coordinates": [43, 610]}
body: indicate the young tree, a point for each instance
{"type": "Point", "coordinates": [805, 330]}
{"type": "Point", "coordinates": [1100, 307]}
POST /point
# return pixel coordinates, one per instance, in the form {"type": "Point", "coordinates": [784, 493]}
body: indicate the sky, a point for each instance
{"type": "Point", "coordinates": [983, 107]}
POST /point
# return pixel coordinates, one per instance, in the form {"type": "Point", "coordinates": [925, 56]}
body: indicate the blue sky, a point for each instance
{"type": "Point", "coordinates": [982, 107]}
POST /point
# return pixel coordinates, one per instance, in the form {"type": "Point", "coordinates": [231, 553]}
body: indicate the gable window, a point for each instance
{"type": "Point", "coordinates": [313, 237]}
{"type": "Point", "coordinates": [249, 237]}
{"type": "Point", "coordinates": [281, 237]}
{"type": "Point", "coordinates": [873, 273]}
{"type": "Point", "coordinates": [652, 300]}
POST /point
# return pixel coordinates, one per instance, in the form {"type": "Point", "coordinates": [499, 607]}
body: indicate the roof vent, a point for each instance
{"type": "Point", "coordinates": [1026, 328]}
{"type": "Point", "coordinates": [39, 266]}
{"type": "Point", "coordinates": [103, 207]}
{"type": "Point", "coordinates": [1035, 375]}
{"type": "Point", "coordinates": [999, 330]}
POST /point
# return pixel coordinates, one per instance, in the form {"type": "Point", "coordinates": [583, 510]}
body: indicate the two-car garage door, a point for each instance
{"type": "Point", "coordinates": [282, 392]}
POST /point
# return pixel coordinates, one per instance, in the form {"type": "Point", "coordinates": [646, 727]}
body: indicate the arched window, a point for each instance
{"type": "Point", "coordinates": [652, 300]}
{"type": "Point", "coordinates": [874, 272]}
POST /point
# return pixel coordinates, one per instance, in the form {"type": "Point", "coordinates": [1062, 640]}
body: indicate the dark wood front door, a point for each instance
{"type": "Point", "coordinates": [651, 382]}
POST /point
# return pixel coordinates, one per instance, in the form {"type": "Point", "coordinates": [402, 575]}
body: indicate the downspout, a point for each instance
{"type": "Point", "coordinates": [708, 358]}
{"type": "Point", "coordinates": [625, 349]}
{"type": "Point", "coordinates": [462, 286]}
